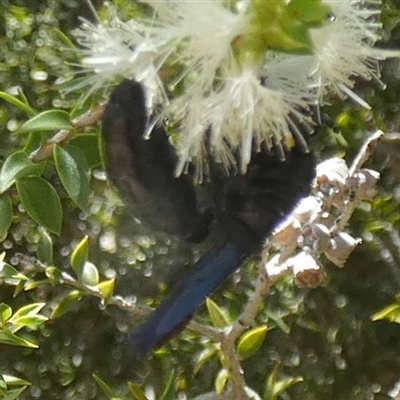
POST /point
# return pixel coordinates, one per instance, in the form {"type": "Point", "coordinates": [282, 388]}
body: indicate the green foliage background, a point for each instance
{"type": "Point", "coordinates": [324, 335]}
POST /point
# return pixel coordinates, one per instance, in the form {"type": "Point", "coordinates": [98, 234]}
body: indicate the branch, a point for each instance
{"type": "Point", "coordinates": [67, 279]}
{"type": "Point", "coordinates": [305, 228]}
{"type": "Point", "coordinates": [84, 121]}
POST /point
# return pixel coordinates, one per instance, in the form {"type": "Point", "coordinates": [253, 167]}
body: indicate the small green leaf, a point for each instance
{"type": "Point", "coordinates": [88, 143]}
{"type": "Point", "coordinates": [44, 249]}
{"type": "Point", "coordinates": [16, 166]}
{"type": "Point", "coordinates": [26, 108]}
{"type": "Point", "coordinates": [49, 120]}
{"type": "Point", "coordinates": [22, 96]}
{"type": "Point", "coordinates": [89, 275]}
{"type": "Point", "coordinates": [5, 312]}
{"type": "Point", "coordinates": [7, 271]}
{"type": "Point", "coordinates": [31, 321]}
{"type": "Point", "coordinates": [3, 387]}
{"type": "Point", "coordinates": [9, 338]}
{"type": "Point", "coordinates": [6, 216]}
{"type": "Point", "coordinates": [66, 41]}
{"type": "Point", "coordinates": [34, 284]}
{"type": "Point", "coordinates": [104, 387]}
{"type": "Point", "coordinates": [30, 309]}
{"type": "Point", "coordinates": [80, 256]}
{"type": "Point", "coordinates": [217, 315]}
{"type": "Point", "coordinates": [221, 380]}
{"type": "Point", "coordinates": [14, 381]}
{"type": "Point", "coordinates": [73, 170]}
{"type": "Point", "coordinates": [106, 288]}
{"type": "Point", "coordinates": [251, 341]}
{"type": "Point", "coordinates": [41, 202]}
{"type": "Point", "coordinates": [65, 304]}
{"type": "Point", "coordinates": [53, 274]}
{"type": "Point", "coordinates": [14, 393]}
{"type": "Point", "coordinates": [169, 391]}
{"type": "Point", "coordinates": [204, 356]}
{"type": "Point", "coordinates": [391, 313]}
{"type": "Point", "coordinates": [137, 391]}
{"type": "Point", "coordinates": [274, 386]}
{"type": "Point", "coordinates": [19, 287]}
{"type": "Point", "coordinates": [282, 386]}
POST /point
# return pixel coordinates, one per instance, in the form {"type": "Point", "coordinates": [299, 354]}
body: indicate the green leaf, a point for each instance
{"type": "Point", "coordinates": [14, 381]}
{"type": "Point", "coordinates": [34, 284]}
{"type": "Point", "coordinates": [73, 170]}
{"type": "Point", "coordinates": [7, 271]}
{"type": "Point", "coordinates": [169, 391]}
{"type": "Point", "coordinates": [106, 288]}
{"type": "Point", "coordinates": [221, 380]}
{"type": "Point", "coordinates": [31, 321]}
{"type": "Point", "coordinates": [53, 274]}
{"type": "Point", "coordinates": [30, 309]}
{"type": "Point", "coordinates": [5, 312]}
{"type": "Point", "coordinates": [90, 146]}
{"type": "Point", "coordinates": [13, 394]}
{"type": "Point", "coordinates": [204, 356]}
{"type": "Point", "coordinates": [89, 275]}
{"type": "Point", "coordinates": [6, 216]}
{"type": "Point", "coordinates": [274, 387]}
{"type": "Point", "coordinates": [22, 96]}
{"type": "Point", "coordinates": [137, 391]}
{"type": "Point", "coordinates": [19, 287]}
{"type": "Point", "coordinates": [44, 249]}
{"type": "Point", "coordinates": [217, 315]}
{"type": "Point", "coordinates": [16, 166]}
{"type": "Point", "coordinates": [282, 386]}
{"type": "Point", "coordinates": [391, 313]}
{"type": "Point", "coordinates": [49, 120]}
{"type": "Point", "coordinates": [104, 387]}
{"type": "Point", "coordinates": [41, 202]}
{"type": "Point", "coordinates": [3, 387]}
{"type": "Point", "coordinates": [9, 338]}
{"type": "Point", "coordinates": [26, 108]}
{"type": "Point", "coordinates": [64, 38]}
{"type": "Point", "coordinates": [80, 256]}
{"type": "Point", "coordinates": [251, 341]}
{"type": "Point", "coordinates": [65, 304]}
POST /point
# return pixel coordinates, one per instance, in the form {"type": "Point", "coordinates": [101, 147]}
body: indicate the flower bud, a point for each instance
{"type": "Point", "coordinates": [340, 249]}
{"type": "Point", "coordinates": [306, 270]}
{"type": "Point", "coordinates": [333, 171]}
{"type": "Point", "coordinates": [332, 176]}
{"type": "Point", "coordinates": [307, 209]}
{"type": "Point", "coordinates": [288, 232]}
{"type": "Point", "coordinates": [322, 237]}
{"type": "Point", "coordinates": [367, 179]}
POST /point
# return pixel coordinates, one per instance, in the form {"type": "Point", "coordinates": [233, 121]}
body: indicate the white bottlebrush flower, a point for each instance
{"type": "Point", "coordinates": [198, 35]}
{"type": "Point", "coordinates": [344, 47]}
{"type": "Point", "coordinates": [239, 75]}
{"type": "Point", "coordinates": [118, 49]}
{"type": "Point", "coordinates": [241, 113]}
